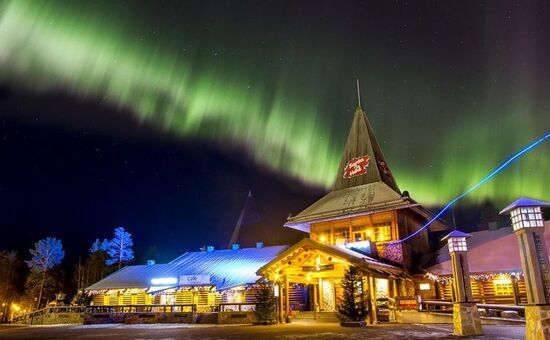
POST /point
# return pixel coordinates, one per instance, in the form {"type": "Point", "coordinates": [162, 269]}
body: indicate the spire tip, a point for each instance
{"type": "Point", "coordinates": [358, 94]}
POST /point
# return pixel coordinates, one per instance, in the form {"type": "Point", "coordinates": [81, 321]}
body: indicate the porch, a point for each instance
{"type": "Point", "coordinates": [316, 270]}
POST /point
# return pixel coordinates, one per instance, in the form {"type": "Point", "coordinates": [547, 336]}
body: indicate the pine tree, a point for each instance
{"type": "Point", "coordinates": [47, 253]}
{"type": "Point", "coordinates": [120, 248]}
{"type": "Point", "coordinates": [265, 303]}
{"type": "Point", "coordinates": [8, 278]}
{"type": "Point", "coordinates": [95, 267]}
{"type": "Point", "coordinates": [352, 303]}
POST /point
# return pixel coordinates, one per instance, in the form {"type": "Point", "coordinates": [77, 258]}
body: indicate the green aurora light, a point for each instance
{"type": "Point", "coordinates": [282, 118]}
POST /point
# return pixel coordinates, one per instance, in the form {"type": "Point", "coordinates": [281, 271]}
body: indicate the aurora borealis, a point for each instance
{"type": "Point", "coordinates": [449, 98]}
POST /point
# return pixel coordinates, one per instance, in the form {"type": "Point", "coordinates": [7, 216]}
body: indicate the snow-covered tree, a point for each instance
{"type": "Point", "coordinates": [46, 254]}
{"type": "Point", "coordinates": [352, 303]}
{"type": "Point", "coordinates": [120, 248]}
{"type": "Point", "coordinates": [99, 245]}
{"type": "Point", "coordinates": [266, 304]}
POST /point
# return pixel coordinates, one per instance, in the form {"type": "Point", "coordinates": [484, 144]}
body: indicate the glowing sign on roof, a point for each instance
{"type": "Point", "coordinates": [192, 280]}
{"type": "Point", "coordinates": [157, 281]}
{"type": "Point", "coordinates": [356, 166]}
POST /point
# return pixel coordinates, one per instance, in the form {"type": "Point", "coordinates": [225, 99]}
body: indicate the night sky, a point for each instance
{"type": "Point", "coordinates": [160, 116]}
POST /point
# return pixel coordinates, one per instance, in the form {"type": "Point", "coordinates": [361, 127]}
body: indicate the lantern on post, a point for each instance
{"type": "Point", "coordinates": [528, 225]}
{"type": "Point", "coordinates": [466, 319]}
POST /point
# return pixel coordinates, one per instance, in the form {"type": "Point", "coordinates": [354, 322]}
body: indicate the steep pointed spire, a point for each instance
{"type": "Point", "coordinates": [248, 216]}
{"type": "Point", "coordinates": [363, 161]}
{"type": "Point", "coordinates": [358, 95]}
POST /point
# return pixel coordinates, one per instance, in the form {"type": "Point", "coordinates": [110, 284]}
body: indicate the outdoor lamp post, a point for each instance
{"type": "Point", "coordinates": [528, 225]}
{"type": "Point", "coordinates": [466, 319]}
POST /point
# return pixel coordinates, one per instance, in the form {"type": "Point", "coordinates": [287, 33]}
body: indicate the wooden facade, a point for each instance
{"type": "Point", "coordinates": [204, 298]}
{"type": "Point", "coordinates": [490, 289]}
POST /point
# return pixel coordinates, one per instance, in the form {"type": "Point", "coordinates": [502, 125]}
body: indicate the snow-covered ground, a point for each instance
{"type": "Point", "coordinates": [219, 332]}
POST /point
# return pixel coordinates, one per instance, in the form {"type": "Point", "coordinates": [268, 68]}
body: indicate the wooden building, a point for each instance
{"type": "Point", "coordinates": [361, 222]}
{"type": "Point", "coordinates": [204, 278]}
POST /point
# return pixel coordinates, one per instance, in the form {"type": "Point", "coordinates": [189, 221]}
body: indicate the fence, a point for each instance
{"type": "Point", "coordinates": [48, 310]}
{"type": "Point", "coordinates": [125, 309]}
{"type": "Point", "coordinates": [492, 310]}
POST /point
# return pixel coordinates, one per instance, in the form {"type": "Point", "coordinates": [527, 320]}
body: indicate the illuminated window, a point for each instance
{"type": "Point", "coordinates": [382, 232]}
{"type": "Point", "coordinates": [341, 235]}
{"type": "Point", "coordinates": [358, 233]}
{"type": "Point", "coordinates": [382, 288]}
{"type": "Point", "coordinates": [526, 217]}
{"type": "Point", "coordinates": [503, 287]}
{"type": "Point", "coordinates": [457, 244]}
{"type": "Point", "coordinates": [424, 286]}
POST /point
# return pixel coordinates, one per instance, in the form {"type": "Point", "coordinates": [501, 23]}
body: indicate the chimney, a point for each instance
{"type": "Point", "coordinates": [210, 249]}
{"type": "Point", "coordinates": [259, 245]}
{"type": "Point", "coordinates": [235, 246]}
{"type": "Point", "coordinates": [150, 262]}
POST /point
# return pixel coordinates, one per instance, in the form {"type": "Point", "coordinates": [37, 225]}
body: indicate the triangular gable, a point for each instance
{"type": "Point", "coordinates": [362, 161]}
{"type": "Point", "coordinates": [369, 198]}
{"type": "Point", "coordinates": [341, 253]}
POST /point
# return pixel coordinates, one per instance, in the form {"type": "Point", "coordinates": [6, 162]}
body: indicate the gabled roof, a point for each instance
{"type": "Point", "coordinates": [363, 200]}
{"type": "Point", "coordinates": [524, 202]}
{"type": "Point", "coordinates": [355, 258]}
{"type": "Point", "coordinates": [489, 251]}
{"type": "Point", "coordinates": [362, 142]}
{"type": "Point", "coordinates": [227, 268]}
{"type": "Point", "coordinates": [456, 233]}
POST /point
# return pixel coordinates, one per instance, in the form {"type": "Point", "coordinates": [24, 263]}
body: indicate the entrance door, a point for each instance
{"type": "Point", "coordinates": [382, 302]}
{"type": "Point", "coordinates": [328, 303]}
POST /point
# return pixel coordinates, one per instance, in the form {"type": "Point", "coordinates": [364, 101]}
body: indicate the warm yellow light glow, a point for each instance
{"type": "Point", "coordinates": [424, 286]}
{"type": "Point", "coordinates": [276, 276]}
{"type": "Point", "coordinates": [503, 281]}
{"type": "Point", "coordinates": [323, 238]}
{"type": "Point", "coordinates": [318, 263]}
{"type": "Point", "coordinates": [382, 288]}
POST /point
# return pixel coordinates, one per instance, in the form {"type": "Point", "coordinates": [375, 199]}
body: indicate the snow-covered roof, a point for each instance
{"type": "Point", "coordinates": [524, 202]}
{"type": "Point", "coordinates": [226, 268]}
{"type": "Point", "coordinates": [489, 251]}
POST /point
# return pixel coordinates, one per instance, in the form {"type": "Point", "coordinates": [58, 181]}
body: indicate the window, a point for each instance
{"type": "Point", "coordinates": [322, 234]}
{"type": "Point", "coordinates": [503, 286]}
{"type": "Point", "coordinates": [526, 217]}
{"type": "Point", "coordinates": [382, 232]}
{"type": "Point", "coordinates": [341, 235]}
{"type": "Point", "coordinates": [358, 233]}
{"type": "Point", "coordinates": [424, 286]}
{"type": "Point", "coordinates": [457, 244]}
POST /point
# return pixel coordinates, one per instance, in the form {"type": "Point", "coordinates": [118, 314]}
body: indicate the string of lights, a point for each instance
{"type": "Point", "coordinates": [446, 279]}
{"type": "Point", "coordinates": [501, 167]}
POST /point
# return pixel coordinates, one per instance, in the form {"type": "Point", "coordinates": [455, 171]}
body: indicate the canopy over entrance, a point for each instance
{"type": "Point", "coordinates": [309, 260]}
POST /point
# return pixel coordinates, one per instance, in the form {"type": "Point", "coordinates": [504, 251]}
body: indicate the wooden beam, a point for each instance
{"type": "Point", "coordinates": [287, 301]}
